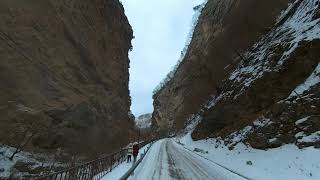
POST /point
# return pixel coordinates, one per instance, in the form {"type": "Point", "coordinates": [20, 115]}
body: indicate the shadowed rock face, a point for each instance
{"type": "Point", "coordinates": [278, 82]}
{"type": "Point", "coordinates": [265, 95]}
{"type": "Point", "coordinates": [64, 74]}
{"type": "Point", "coordinates": [225, 29]}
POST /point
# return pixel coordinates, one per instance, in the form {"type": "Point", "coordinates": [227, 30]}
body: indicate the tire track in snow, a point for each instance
{"type": "Point", "coordinates": [167, 160]}
{"type": "Point", "coordinates": [157, 171]}
{"type": "Point", "coordinates": [173, 171]}
{"type": "Point", "coordinates": [190, 168]}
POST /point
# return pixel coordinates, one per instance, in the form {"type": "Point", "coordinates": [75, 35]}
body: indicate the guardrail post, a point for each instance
{"type": "Point", "coordinates": [91, 171]}
{"type": "Point", "coordinates": [111, 163]}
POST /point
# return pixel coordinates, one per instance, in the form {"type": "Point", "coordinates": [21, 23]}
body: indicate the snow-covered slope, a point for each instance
{"type": "Point", "coordinates": [225, 29]}
{"type": "Point", "coordinates": [144, 121]}
{"type": "Point", "coordinates": [275, 81]}
{"type": "Point", "coordinates": [285, 162]}
{"type": "Point", "coordinates": [297, 24]}
{"type": "Point", "coordinates": [26, 164]}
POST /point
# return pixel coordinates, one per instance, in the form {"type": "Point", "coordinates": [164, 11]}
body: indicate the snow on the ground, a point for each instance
{"type": "Point", "coordinates": [168, 160]}
{"type": "Point", "coordinates": [117, 172]}
{"type": "Point", "coordinates": [120, 170]}
{"type": "Point", "coordinates": [285, 162]}
{"type": "Point", "coordinates": [144, 169]}
{"type": "Point", "coordinates": [7, 166]}
{"type": "Point", "coordinates": [211, 169]}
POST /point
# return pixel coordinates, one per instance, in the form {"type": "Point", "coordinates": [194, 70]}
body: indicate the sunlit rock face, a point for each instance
{"type": "Point", "coordinates": [64, 75]}
{"type": "Point", "coordinates": [225, 30]}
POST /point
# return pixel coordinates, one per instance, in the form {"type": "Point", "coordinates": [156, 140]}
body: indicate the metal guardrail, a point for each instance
{"type": "Point", "coordinates": [92, 170]}
{"type": "Point", "coordinates": [135, 165]}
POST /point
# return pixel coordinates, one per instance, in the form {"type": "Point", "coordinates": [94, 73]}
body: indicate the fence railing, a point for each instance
{"type": "Point", "coordinates": [92, 170]}
{"type": "Point", "coordinates": [135, 165]}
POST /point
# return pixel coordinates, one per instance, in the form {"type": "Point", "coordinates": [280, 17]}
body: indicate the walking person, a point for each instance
{"type": "Point", "coordinates": [129, 153]}
{"type": "Point", "coordinates": [135, 152]}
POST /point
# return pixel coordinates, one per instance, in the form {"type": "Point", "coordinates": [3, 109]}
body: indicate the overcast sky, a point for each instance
{"type": "Point", "coordinates": [160, 28]}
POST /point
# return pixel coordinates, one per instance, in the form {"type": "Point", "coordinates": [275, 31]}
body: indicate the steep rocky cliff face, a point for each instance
{"type": "Point", "coordinates": [64, 75]}
{"type": "Point", "coordinates": [276, 83]}
{"type": "Point", "coordinates": [225, 30]}
{"type": "Point", "coordinates": [267, 93]}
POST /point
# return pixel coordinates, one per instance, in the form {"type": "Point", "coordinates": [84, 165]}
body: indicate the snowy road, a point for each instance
{"type": "Point", "coordinates": [168, 160]}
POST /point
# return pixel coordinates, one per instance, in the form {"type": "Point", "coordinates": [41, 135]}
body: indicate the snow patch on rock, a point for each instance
{"type": "Point", "coordinates": [261, 122]}
{"type": "Point", "coordinates": [312, 80]}
{"type": "Point", "coordinates": [302, 120]}
{"type": "Point", "coordinates": [289, 31]}
{"type": "Point", "coordinates": [302, 138]}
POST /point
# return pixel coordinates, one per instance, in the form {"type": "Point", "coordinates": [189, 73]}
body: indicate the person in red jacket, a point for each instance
{"type": "Point", "coordinates": [135, 152]}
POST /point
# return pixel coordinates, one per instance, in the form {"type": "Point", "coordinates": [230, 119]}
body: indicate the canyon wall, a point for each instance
{"type": "Point", "coordinates": [251, 74]}
{"type": "Point", "coordinates": [64, 75]}
{"type": "Point", "coordinates": [224, 31]}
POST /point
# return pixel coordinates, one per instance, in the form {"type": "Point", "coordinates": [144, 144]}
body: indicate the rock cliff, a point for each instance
{"type": "Point", "coordinates": [64, 75]}
{"type": "Point", "coordinates": [224, 31]}
{"type": "Point", "coordinates": [253, 72]}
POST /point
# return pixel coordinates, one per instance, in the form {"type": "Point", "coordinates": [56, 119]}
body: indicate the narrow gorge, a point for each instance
{"type": "Point", "coordinates": [246, 91]}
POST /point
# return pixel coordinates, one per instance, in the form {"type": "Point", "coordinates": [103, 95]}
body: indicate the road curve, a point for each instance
{"type": "Point", "coordinates": [168, 160]}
